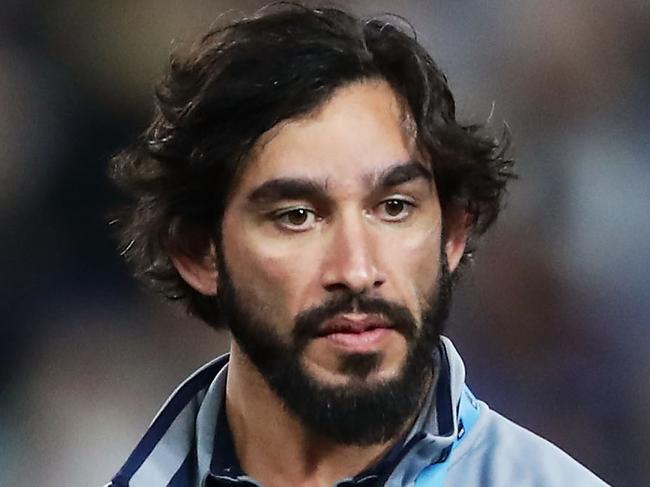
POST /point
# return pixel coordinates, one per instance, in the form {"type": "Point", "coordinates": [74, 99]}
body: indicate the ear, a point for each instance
{"type": "Point", "coordinates": [457, 225]}
{"type": "Point", "coordinates": [199, 272]}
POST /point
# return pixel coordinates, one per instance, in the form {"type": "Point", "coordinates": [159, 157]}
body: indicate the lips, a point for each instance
{"type": "Point", "coordinates": [359, 333]}
{"type": "Point", "coordinates": [354, 324]}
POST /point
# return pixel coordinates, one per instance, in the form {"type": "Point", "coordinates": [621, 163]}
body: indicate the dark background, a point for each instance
{"type": "Point", "coordinates": [552, 321]}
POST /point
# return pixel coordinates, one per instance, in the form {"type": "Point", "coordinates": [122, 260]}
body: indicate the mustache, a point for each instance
{"type": "Point", "coordinates": [309, 322]}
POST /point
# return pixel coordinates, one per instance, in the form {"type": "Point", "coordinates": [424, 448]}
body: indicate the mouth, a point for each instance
{"type": "Point", "coordinates": [356, 331]}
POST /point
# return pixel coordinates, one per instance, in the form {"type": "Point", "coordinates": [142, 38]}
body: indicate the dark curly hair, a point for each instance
{"type": "Point", "coordinates": [241, 79]}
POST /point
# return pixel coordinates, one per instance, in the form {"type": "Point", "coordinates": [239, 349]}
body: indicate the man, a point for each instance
{"type": "Point", "coordinates": [304, 183]}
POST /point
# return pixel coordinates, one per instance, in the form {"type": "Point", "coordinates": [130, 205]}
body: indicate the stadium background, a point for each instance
{"type": "Point", "coordinates": [553, 321]}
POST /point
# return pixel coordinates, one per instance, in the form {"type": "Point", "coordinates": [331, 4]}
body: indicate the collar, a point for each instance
{"type": "Point", "coordinates": [189, 440]}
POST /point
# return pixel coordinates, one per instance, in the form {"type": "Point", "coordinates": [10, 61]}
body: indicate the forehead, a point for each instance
{"type": "Point", "coordinates": [361, 130]}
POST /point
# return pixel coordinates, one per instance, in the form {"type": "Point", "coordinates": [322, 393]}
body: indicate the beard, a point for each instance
{"type": "Point", "coordinates": [359, 412]}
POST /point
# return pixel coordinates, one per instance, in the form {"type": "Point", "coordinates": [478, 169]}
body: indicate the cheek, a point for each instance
{"type": "Point", "coordinates": [415, 262]}
{"type": "Point", "coordinates": [270, 276]}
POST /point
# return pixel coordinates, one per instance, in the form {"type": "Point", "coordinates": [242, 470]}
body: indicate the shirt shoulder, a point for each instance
{"type": "Point", "coordinates": [500, 453]}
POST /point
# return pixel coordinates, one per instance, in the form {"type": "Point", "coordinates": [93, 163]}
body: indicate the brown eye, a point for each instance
{"type": "Point", "coordinates": [394, 207]}
{"type": "Point", "coordinates": [296, 219]}
{"type": "Point", "coordinates": [395, 210]}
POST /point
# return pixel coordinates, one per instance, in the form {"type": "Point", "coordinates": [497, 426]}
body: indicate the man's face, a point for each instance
{"type": "Point", "coordinates": [331, 253]}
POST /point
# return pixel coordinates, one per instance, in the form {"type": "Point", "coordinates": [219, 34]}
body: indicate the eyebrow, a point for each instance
{"type": "Point", "coordinates": [288, 189]}
{"type": "Point", "coordinates": [402, 173]}
{"type": "Point", "coordinates": [299, 188]}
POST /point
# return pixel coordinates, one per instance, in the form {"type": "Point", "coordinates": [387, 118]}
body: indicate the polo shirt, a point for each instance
{"type": "Point", "coordinates": [455, 440]}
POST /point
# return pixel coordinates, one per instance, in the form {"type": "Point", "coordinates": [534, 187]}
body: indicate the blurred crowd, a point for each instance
{"type": "Point", "coordinates": [553, 320]}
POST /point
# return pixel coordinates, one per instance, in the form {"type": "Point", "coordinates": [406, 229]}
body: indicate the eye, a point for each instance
{"type": "Point", "coordinates": [395, 210]}
{"type": "Point", "coordinates": [296, 219]}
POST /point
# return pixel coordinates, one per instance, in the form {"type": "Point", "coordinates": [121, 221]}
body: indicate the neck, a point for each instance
{"type": "Point", "coordinates": [271, 443]}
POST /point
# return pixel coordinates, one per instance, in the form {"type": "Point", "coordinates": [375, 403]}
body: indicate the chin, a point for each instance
{"type": "Point", "coordinates": [370, 369]}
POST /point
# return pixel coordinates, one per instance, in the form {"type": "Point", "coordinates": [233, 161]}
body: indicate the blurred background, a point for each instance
{"type": "Point", "coordinates": [552, 321]}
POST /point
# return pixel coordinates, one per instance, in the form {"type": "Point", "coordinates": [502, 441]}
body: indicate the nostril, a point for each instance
{"type": "Point", "coordinates": [336, 287]}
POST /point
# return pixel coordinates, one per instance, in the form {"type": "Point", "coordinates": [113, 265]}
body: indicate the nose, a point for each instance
{"type": "Point", "coordinates": [351, 262]}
